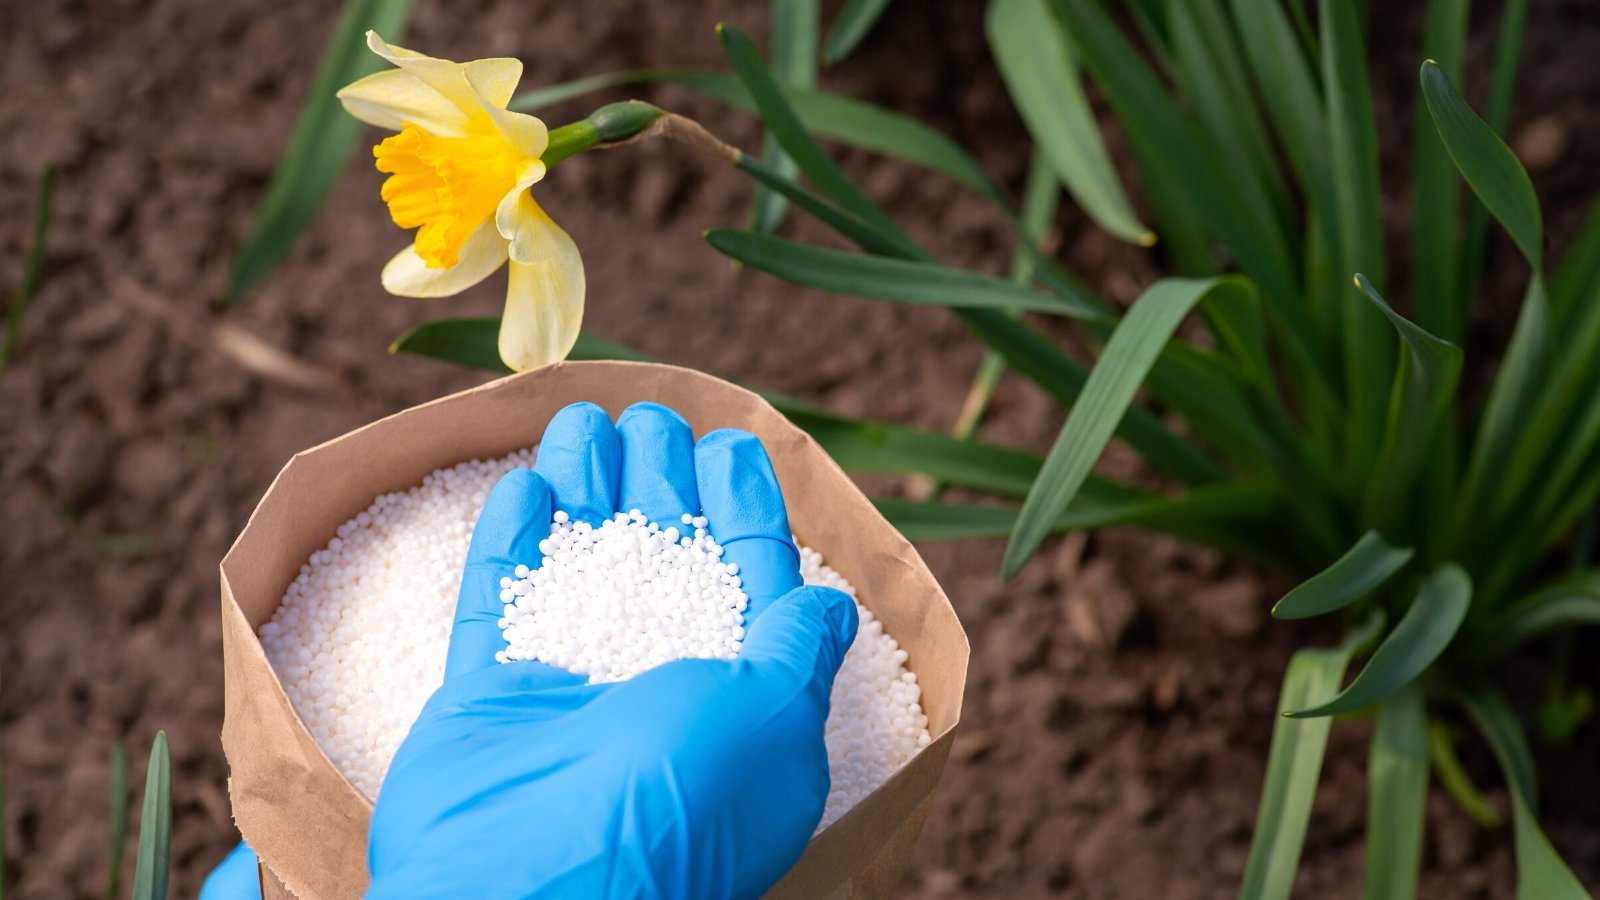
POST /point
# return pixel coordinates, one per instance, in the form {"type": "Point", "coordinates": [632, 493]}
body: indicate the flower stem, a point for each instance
{"type": "Point", "coordinates": [628, 122]}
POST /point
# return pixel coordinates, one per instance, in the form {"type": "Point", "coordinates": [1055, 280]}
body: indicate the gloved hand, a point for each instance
{"type": "Point", "coordinates": [235, 878]}
{"type": "Point", "coordinates": [699, 778]}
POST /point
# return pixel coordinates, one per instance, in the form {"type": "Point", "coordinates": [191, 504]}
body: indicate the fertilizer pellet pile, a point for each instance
{"type": "Point", "coordinates": [360, 638]}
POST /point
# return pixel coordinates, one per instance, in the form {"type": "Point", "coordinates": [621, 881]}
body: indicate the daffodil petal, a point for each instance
{"type": "Point", "coordinates": [526, 133]}
{"type": "Point", "coordinates": [390, 98]}
{"type": "Point", "coordinates": [544, 305]}
{"type": "Point", "coordinates": [408, 275]}
{"type": "Point", "coordinates": [511, 207]}
{"type": "Point", "coordinates": [495, 79]}
{"type": "Point", "coordinates": [449, 79]}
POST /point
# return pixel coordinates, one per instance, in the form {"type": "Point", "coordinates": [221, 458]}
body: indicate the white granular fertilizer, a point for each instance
{"type": "Point", "coordinates": [359, 679]}
{"type": "Point", "coordinates": [613, 601]}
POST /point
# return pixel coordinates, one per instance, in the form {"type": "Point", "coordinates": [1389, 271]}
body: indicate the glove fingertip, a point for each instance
{"type": "Point", "coordinates": [512, 520]}
{"type": "Point", "coordinates": [809, 629]}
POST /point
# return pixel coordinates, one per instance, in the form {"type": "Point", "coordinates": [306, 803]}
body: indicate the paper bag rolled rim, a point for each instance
{"type": "Point", "coordinates": [309, 824]}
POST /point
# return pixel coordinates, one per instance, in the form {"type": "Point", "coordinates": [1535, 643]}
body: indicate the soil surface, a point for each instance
{"type": "Point", "coordinates": [1122, 689]}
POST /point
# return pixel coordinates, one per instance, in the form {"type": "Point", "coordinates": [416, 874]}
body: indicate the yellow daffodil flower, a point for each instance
{"type": "Point", "coordinates": [459, 171]}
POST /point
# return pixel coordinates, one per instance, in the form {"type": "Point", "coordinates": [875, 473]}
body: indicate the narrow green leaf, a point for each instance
{"type": "Point", "coordinates": [1436, 211]}
{"type": "Point", "coordinates": [1210, 70]}
{"type": "Point", "coordinates": [1351, 577]}
{"type": "Point", "coordinates": [1541, 873]}
{"type": "Point", "coordinates": [1287, 80]}
{"type": "Point", "coordinates": [1032, 55]}
{"type": "Point", "coordinates": [1205, 515]}
{"type": "Point", "coordinates": [1294, 764]}
{"type": "Point", "coordinates": [1513, 19]}
{"type": "Point", "coordinates": [852, 24]}
{"type": "Point", "coordinates": [1569, 602]}
{"type": "Point", "coordinates": [851, 122]}
{"type": "Point", "coordinates": [155, 826]}
{"type": "Point", "coordinates": [1352, 133]}
{"type": "Point", "coordinates": [1235, 208]}
{"type": "Point", "coordinates": [43, 205]}
{"type": "Point", "coordinates": [1454, 778]}
{"type": "Point", "coordinates": [1123, 365]}
{"type": "Point", "coordinates": [865, 446]}
{"type": "Point", "coordinates": [119, 819]}
{"type": "Point", "coordinates": [474, 343]}
{"type": "Point", "coordinates": [320, 145]}
{"type": "Point", "coordinates": [1513, 400]}
{"type": "Point", "coordinates": [879, 278]}
{"type": "Point", "coordinates": [1041, 198]}
{"type": "Point", "coordinates": [1578, 276]}
{"type": "Point", "coordinates": [1033, 356]}
{"type": "Point", "coordinates": [1430, 368]}
{"type": "Point", "coordinates": [1416, 641]}
{"type": "Point", "coordinates": [794, 63]}
{"type": "Point", "coordinates": [847, 224]}
{"type": "Point", "coordinates": [1419, 401]}
{"type": "Point", "coordinates": [1488, 165]}
{"type": "Point", "coordinates": [1500, 182]}
{"type": "Point", "coordinates": [786, 127]}
{"type": "Point", "coordinates": [1397, 796]}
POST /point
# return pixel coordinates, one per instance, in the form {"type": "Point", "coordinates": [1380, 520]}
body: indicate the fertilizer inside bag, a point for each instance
{"type": "Point", "coordinates": [360, 637]}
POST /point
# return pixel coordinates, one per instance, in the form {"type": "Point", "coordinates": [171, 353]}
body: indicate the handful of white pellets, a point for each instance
{"type": "Point", "coordinates": [360, 638]}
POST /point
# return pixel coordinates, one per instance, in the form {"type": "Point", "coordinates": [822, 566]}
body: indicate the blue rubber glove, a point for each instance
{"type": "Point", "coordinates": [699, 778]}
{"type": "Point", "coordinates": [235, 878]}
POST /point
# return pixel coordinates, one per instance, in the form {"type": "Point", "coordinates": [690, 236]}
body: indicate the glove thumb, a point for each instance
{"type": "Point", "coordinates": [804, 632]}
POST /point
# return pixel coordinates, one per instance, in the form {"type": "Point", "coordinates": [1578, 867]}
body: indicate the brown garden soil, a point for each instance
{"type": "Point", "coordinates": [1123, 688]}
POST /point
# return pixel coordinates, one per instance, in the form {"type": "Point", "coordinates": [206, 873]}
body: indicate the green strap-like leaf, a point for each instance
{"type": "Point", "coordinates": [324, 136]}
{"type": "Point", "coordinates": [474, 342]}
{"type": "Point", "coordinates": [1369, 360]}
{"type": "Point", "coordinates": [1210, 69]}
{"type": "Point", "coordinates": [1513, 19]}
{"type": "Point", "coordinates": [785, 126]}
{"type": "Point", "coordinates": [1486, 163]}
{"type": "Point", "coordinates": [1502, 185]}
{"type": "Point", "coordinates": [1030, 353]}
{"type": "Point", "coordinates": [1031, 52]}
{"type": "Point", "coordinates": [1235, 208]}
{"type": "Point", "coordinates": [1569, 602]}
{"type": "Point", "coordinates": [1352, 576]}
{"type": "Point", "coordinates": [1293, 766]}
{"type": "Point", "coordinates": [1541, 873]}
{"type": "Point", "coordinates": [851, 122]}
{"type": "Point", "coordinates": [1419, 400]}
{"type": "Point", "coordinates": [43, 205]}
{"type": "Point", "coordinates": [1286, 78]}
{"type": "Point", "coordinates": [1436, 210]}
{"type": "Point", "coordinates": [1578, 276]}
{"type": "Point", "coordinates": [794, 63]}
{"type": "Point", "coordinates": [119, 819]}
{"type": "Point", "coordinates": [155, 826]}
{"type": "Point", "coordinates": [856, 445]}
{"type": "Point", "coordinates": [1416, 641]}
{"type": "Point", "coordinates": [1036, 358]}
{"type": "Point", "coordinates": [1123, 365]}
{"type": "Point", "coordinates": [880, 278]}
{"type": "Point", "coordinates": [852, 24]}
{"type": "Point", "coordinates": [1205, 515]}
{"type": "Point", "coordinates": [1397, 796]}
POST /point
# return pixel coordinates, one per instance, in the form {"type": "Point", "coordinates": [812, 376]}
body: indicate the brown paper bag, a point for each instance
{"type": "Point", "coordinates": [309, 825]}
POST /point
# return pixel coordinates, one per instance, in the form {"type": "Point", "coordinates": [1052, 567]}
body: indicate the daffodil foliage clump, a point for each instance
{"type": "Point", "coordinates": [1305, 421]}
